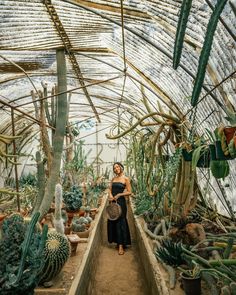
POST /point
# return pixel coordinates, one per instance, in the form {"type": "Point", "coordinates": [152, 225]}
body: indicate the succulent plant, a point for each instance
{"type": "Point", "coordinates": [21, 255]}
{"type": "Point", "coordinates": [73, 199]}
{"type": "Point", "coordinates": [57, 250]}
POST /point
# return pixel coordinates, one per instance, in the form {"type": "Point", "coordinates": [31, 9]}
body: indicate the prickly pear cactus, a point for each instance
{"type": "Point", "coordinates": [57, 251]}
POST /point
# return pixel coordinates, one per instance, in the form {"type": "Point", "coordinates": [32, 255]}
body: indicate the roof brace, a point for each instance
{"type": "Point", "coordinates": [66, 41]}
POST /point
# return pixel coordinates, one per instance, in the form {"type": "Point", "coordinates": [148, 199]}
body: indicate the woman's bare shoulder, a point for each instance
{"type": "Point", "coordinates": [126, 178]}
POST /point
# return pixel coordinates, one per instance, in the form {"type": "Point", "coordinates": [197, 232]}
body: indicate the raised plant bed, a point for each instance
{"type": "Point", "coordinates": [75, 275]}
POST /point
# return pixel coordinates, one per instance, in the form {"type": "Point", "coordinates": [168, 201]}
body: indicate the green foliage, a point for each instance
{"type": "Point", "coordinates": [219, 168]}
{"type": "Point", "coordinates": [143, 203]}
{"type": "Point", "coordinates": [21, 255]}
{"type": "Point", "coordinates": [180, 32]}
{"type": "Point", "coordinates": [73, 198]}
{"type": "Point", "coordinates": [28, 179]}
{"type": "Point", "coordinates": [170, 253]}
{"type": "Point", "coordinates": [57, 251]}
{"type": "Point", "coordinates": [206, 49]}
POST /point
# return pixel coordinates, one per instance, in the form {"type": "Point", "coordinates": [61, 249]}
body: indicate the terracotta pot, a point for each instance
{"type": "Point", "coordinates": [229, 133]}
{"type": "Point", "coordinates": [82, 234]}
{"type": "Point", "coordinates": [2, 216]}
{"type": "Point", "coordinates": [81, 212]}
{"type": "Point", "coordinates": [70, 217]}
{"type": "Point", "coordinates": [67, 230]}
{"type": "Point", "coordinates": [74, 240]}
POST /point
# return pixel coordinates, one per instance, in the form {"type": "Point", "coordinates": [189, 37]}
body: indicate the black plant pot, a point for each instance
{"type": "Point", "coordinates": [219, 152]}
{"type": "Point", "coordinates": [204, 160]}
{"type": "Point", "coordinates": [212, 152]}
{"type": "Point", "coordinates": [187, 155]}
{"type": "Point", "coordinates": [191, 286]}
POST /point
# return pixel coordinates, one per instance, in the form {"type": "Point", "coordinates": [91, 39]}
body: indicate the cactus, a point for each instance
{"type": "Point", "coordinates": [41, 181]}
{"type": "Point", "coordinates": [58, 221]}
{"type": "Point", "coordinates": [78, 227]}
{"type": "Point", "coordinates": [73, 199]}
{"type": "Point", "coordinates": [57, 251]}
{"type": "Point", "coordinates": [21, 258]}
{"type": "Point", "coordinates": [58, 138]}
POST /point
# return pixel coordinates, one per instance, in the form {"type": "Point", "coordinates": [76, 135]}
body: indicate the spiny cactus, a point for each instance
{"type": "Point", "coordinates": [58, 221]}
{"type": "Point", "coordinates": [57, 251]}
{"type": "Point", "coordinates": [41, 181]}
{"type": "Point", "coordinates": [21, 255]}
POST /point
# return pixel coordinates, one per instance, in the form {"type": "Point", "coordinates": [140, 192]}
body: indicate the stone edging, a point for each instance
{"type": "Point", "coordinates": [155, 280]}
{"type": "Point", "coordinates": [82, 283]}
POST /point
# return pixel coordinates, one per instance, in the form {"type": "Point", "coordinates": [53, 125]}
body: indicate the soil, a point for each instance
{"type": "Point", "coordinates": [62, 283]}
{"type": "Point", "coordinates": [119, 274]}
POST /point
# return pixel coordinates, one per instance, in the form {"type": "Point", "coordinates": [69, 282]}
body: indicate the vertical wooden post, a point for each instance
{"type": "Point", "coordinates": [97, 170]}
{"type": "Point", "coordinates": [15, 158]}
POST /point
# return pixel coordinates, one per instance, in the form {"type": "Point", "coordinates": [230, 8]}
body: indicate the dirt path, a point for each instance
{"type": "Point", "coordinates": [119, 274]}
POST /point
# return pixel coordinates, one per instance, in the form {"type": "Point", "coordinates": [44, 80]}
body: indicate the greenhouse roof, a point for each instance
{"type": "Point", "coordinates": [119, 58]}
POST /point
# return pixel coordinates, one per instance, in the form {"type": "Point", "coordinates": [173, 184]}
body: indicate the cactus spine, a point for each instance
{"type": "Point", "coordinates": [41, 181]}
{"type": "Point", "coordinates": [57, 251]}
{"type": "Point", "coordinates": [58, 221]}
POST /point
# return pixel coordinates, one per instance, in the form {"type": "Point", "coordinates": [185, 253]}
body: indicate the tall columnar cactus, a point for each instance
{"type": "Point", "coordinates": [21, 258]}
{"type": "Point", "coordinates": [58, 221]}
{"type": "Point", "coordinates": [41, 181]}
{"type": "Point", "coordinates": [57, 251]}
{"type": "Point", "coordinates": [58, 139]}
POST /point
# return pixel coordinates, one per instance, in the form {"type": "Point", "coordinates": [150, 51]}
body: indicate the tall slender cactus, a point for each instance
{"type": "Point", "coordinates": [58, 139]}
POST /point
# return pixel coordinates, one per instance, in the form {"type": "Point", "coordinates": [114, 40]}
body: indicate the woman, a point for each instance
{"type": "Point", "coordinates": [118, 230]}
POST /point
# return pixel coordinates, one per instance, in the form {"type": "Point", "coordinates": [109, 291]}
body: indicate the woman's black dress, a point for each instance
{"type": "Point", "coordinates": [118, 230]}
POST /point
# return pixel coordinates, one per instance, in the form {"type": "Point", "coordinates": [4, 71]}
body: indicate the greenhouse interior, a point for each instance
{"type": "Point", "coordinates": [118, 147]}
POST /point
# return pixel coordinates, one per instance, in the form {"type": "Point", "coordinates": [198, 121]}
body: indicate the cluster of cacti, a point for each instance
{"type": "Point", "coordinates": [58, 220]}
{"type": "Point", "coordinates": [57, 251]}
{"type": "Point", "coordinates": [80, 224]}
{"type": "Point", "coordinates": [21, 258]}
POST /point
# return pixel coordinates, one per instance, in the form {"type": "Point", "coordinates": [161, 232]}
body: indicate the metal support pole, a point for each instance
{"type": "Point", "coordinates": [15, 159]}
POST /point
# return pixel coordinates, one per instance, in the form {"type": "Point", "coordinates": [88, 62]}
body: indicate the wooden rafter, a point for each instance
{"type": "Point", "coordinates": [68, 47]}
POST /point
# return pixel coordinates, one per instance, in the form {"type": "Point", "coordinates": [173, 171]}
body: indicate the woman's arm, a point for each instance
{"type": "Point", "coordinates": [110, 196]}
{"type": "Point", "coordinates": [128, 190]}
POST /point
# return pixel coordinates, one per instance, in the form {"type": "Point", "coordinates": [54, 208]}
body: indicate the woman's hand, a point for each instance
{"type": "Point", "coordinates": [116, 197]}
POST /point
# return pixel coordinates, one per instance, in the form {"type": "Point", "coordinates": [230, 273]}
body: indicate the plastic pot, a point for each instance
{"type": "Point", "coordinates": [191, 285]}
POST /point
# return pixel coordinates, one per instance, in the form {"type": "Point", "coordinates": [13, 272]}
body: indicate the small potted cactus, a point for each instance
{"type": "Point", "coordinates": [80, 226]}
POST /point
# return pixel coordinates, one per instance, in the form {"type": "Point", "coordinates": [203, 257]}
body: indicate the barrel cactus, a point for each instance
{"type": "Point", "coordinates": [57, 251]}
